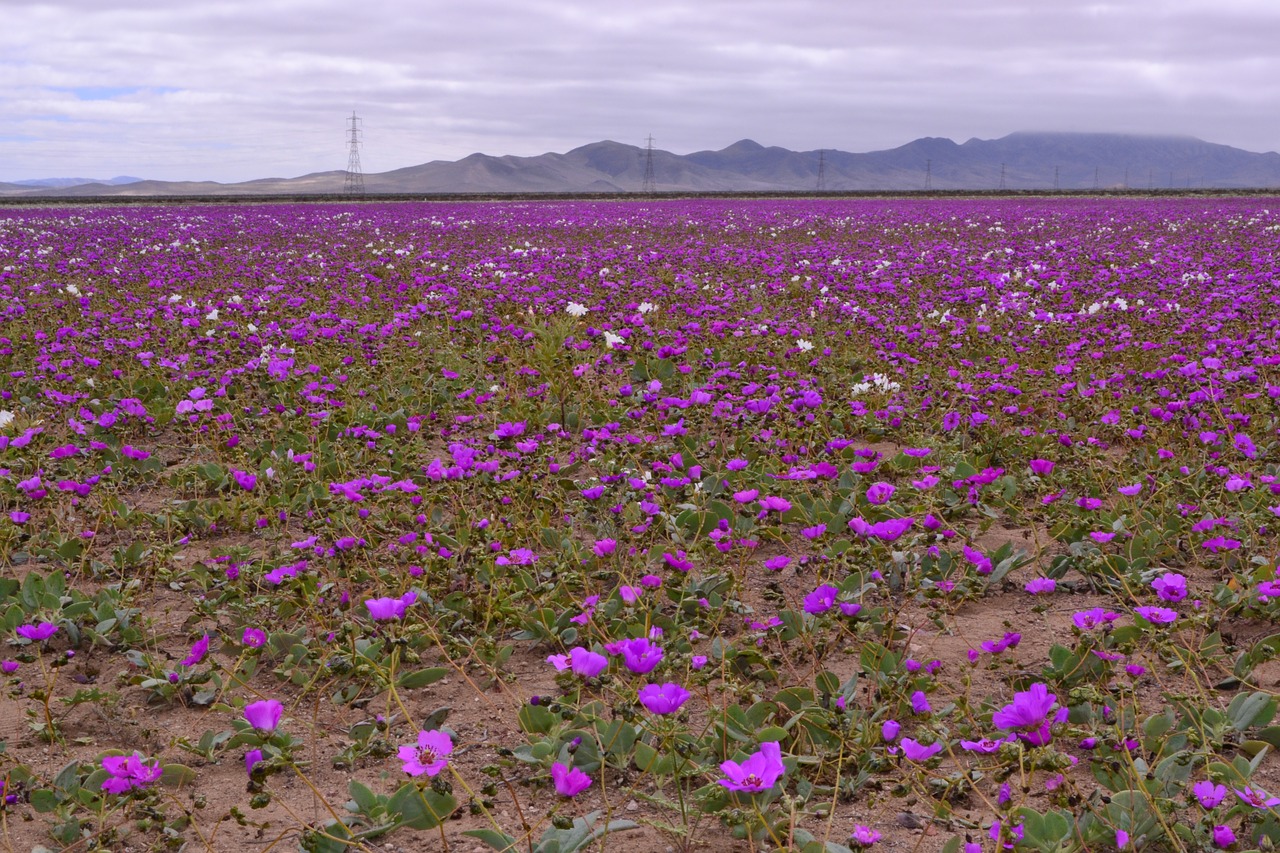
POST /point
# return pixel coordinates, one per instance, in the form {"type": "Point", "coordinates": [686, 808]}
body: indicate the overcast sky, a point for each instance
{"type": "Point", "coordinates": [239, 89]}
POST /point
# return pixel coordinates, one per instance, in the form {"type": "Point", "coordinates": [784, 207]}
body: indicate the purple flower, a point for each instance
{"type": "Point", "coordinates": [746, 496]}
{"type": "Point", "coordinates": [265, 715]}
{"type": "Point", "coordinates": [254, 638]}
{"type": "Point", "coordinates": [9, 667]}
{"type": "Point", "coordinates": [1028, 714]}
{"type": "Point", "coordinates": [889, 730]}
{"type": "Point", "coordinates": [37, 633]}
{"type": "Point", "coordinates": [879, 493]}
{"type": "Point", "coordinates": [821, 599]}
{"type": "Point", "coordinates": [1209, 794]}
{"type": "Point", "coordinates": [1223, 836]}
{"type": "Point", "coordinates": [864, 836]}
{"type": "Point", "coordinates": [1088, 619]}
{"type": "Point", "coordinates": [198, 650]}
{"type": "Point", "coordinates": [639, 655]}
{"type": "Point", "coordinates": [1156, 615]}
{"type": "Point", "coordinates": [517, 557]}
{"type": "Point", "coordinates": [251, 758]}
{"type": "Point", "coordinates": [915, 751]}
{"type": "Point", "coordinates": [1170, 586]}
{"type": "Point", "coordinates": [381, 609]}
{"type": "Point", "coordinates": [986, 746]}
{"type": "Point", "coordinates": [430, 756]}
{"type": "Point", "coordinates": [920, 703]}
{"type": "Point", "coordinates": [772, 503]}
{"type": "Point", "coordinates": [1040, 467]}
{"type": "Point", "coordinates": [663, 698]}
{"type": "Point", "coordinates": [1256, 797]}
{"type": "Point", "coordinates": [583, 662]}
{"type": "Point", "coordinates": [128, 772]}
{"type": "Point", "coordinates": [1038, 586]}
{"type": "Point", "coordinates": [778, 563]}
{"type": "Point", "coordinates": [569, 781]}
{"type": "Point", "coordinates": [604, 547]}
{"type": "Point", "coordinates": [244, 479]}
{"type": "Point", "coordinates": [757, 773]}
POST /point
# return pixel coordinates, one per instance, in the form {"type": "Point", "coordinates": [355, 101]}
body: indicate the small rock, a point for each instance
{"type": "Point", "coordinates": [632, 806]}
{"type": "Point", "coordinates": [909, 820]}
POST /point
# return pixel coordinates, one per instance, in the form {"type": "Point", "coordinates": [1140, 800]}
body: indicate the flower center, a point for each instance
{"type": "Point", "coordinates": [428, 755]}
{"type": "Point", "coordinates": [753, 780]}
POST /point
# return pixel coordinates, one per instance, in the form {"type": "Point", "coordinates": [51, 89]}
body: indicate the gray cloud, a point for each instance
{"type": "Point", "coordinates": [240, 89]}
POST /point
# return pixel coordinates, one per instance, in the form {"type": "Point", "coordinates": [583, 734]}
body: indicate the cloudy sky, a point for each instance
{"type": "Point", "coordinates": [238, 89]}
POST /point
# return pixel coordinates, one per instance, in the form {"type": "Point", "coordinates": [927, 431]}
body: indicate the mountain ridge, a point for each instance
{"type": "Point", "coordinates": [1024, 160]}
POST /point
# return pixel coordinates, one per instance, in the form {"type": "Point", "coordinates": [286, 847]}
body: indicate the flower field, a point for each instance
{"type": "Point", "coordinates": [918, 525]}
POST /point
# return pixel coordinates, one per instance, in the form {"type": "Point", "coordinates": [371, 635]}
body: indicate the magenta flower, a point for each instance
{"type": "Point", "coordinates": [37, 633]}
{"type": "Point", "coordinates": [517, 557]}
{"type": "Point", "coordinates": [778, 563]}
{"type": "Point", "coordinates": [265, 715]}
{"type": "Point", "coordinates": [381, 609]}
{"type": "Point", "coordinates": [1223, 836]}
{"type": "Point", "coordinates": [757, 773]}
{"type": "Point", "coordinates": [604, 547]}
{"type": "Point", "coordinates": [1156, 615]}
{"type": "Point", "coordinates": [569, 781]}
{"type": "Point", "coordinates": [1028, 714]}
{"type": "Point", "coordinates": [1095, 617]}
{"type": "Point", "coordinates": [430, 756]}
{"type": "Point", "coordinates": [916, 751]}
{"type": "Point", "coordinates": [1039, 586]}
{"type": "Point", "coordinates": [746, 496]}
{"type": "Point", "coordinates": [580, 661]}
{"type": "Point", "coordinates": [638, 655]}
{"type": "Point", "coordinates": [772, 503]}
{"type": "Point", "coordinates": [986, 746]}
{"type": "Point", "coordinates": [129, 772]}
{"type": "Point", "coordinates": [920, 703]}
{"type": "Point", "coordinates": [889, 730]}
{"type": "Point", "coordinates": [198, 650]}
{"type": "Point", "coordinates": [864, 836]}
{"type": "Point", "coordinates": [892, 529]}
{"type": "Point", "coordinates": [821, 599]}
{"type": "Point", "coordinates": [254, 638]}
{"type": "Point", "coordinates": [1256, 797]}
{"type": "Point", "coordinates": [1208, 794]}
{"type": "Point", "coordinates": [251, 759]}
{"type": "Point", "coordinates": [1041, 467]}
{"type": "Point", "coordinates": [880, 493]}
{"type": "Point", "coordinates": [663, 698]}
{"type": "Point", "coordinates": [244, 479]}
{"type": "Point", "coordinates": [1170, 586]}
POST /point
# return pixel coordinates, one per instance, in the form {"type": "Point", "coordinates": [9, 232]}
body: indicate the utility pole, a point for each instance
{"type": "Point", "coordinates": [822, 170]}
{"type": "Point", "coordinates": [1002, 176]}
{"type": "Point", "coordinates": [928, 174]}
{"type": "Point", "coordinates": [354, 183]}
{"type": "Point", "coordinates": [648, 185]}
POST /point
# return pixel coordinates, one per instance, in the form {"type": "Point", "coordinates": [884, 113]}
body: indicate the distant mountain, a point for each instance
{"type": "Point", "coordinates": [1020, 161]}
{"type": "Point", "coordinates": [63, 183]}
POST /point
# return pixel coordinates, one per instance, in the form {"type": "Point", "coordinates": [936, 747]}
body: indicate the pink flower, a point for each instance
{"type": "Point", "coordinates": [639, 655]}
{"type": "Point", "coordinates": [254, 638]}
{"type": "Point", "coordinates": [381, 609]}
{"type": "Point", "coordinates": [604, 547]}
{"type": "Point", "coordinates": [251, 759]}
{"type": "Point", "coordinates": [1170, 586]}
{"type": "Point", "coordinates": [1156, 615]}
{"type": "Point", "coordinates": [1028, 714]}
{"type": "Point", "coordinates": [265, 715]}
{"type": "Point", "coordinates": [772, 503]}
{"type": "Point", "coordinates": [1040, 467]}
{"type": "Point", "coordinates": [1256, 797]}
{"type": "Point", "coordinates": [864, 836]}
{"type": "Point", "coordinates": [198, 650]}
{"type": "Point", "coordinates": [37, 633]}
{"type": "Point", "coordinates": [1038, 586]}
{"type": "Point", "coordinates": [757, 773]}
{"type": "Point", "coordinates": [880, 493]}
{"type": "Point", "coordinates": [569, 781]}
{"type": "Point", "coordinates": [430, 756]}
{"type": "Point", "coordinates": [663, 698]}
{"type": "Point", "coordinates": [821, 599]}
{"type": "Point", "coordinates": [916, 751]}
{"type": "Point", "coordinates": [1209, 794]}
{"type": "Point", "coordinates": [1223, 836]}
{"type": "Point", "coordinates": [128, 772]}
{"type": "Point", "coordinates": [583, 662]}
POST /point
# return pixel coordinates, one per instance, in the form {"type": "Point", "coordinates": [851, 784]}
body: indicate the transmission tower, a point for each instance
{"type": "Point", "coordinates": [822, 170]}
{"type": "Point", "coordinates": [1095, 177]}
{"type": "Point", "coordinates": [649, 185]}
{"type": "Point", "coordinates": [928, 174]}
{"type": "Point", "coordinates": [354, 184]}
{"type": "Point", "coordinates": [1002, 186]}
{"type": "Point", "coordinates": [1056, 185]}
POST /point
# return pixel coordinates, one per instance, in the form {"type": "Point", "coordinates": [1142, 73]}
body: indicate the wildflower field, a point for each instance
{"type": "Point", "coordinates": [916, 525]}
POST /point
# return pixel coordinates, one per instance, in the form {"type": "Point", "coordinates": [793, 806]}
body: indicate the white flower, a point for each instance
{"type": "Point", "coordinates": [6, 418]}
{"type": "Point", "coordinates": [804, 345]}
{"type": "Point", "coordinates": [175, 297]}
{"type": "Point", "coordinates": [646, 307]}
{"type": "Point", "coordinates": [611, 340]}
{"type": "Point", "coordinates": [73, 290]}
{"type": "Point", "coordinates": [574, 309]}
{"type": "Point", "coordinates": [212, 315]}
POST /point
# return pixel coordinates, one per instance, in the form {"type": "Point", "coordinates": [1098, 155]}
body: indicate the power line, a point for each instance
{"type": "Point", "coordinates": [354, 183]}
{"type": "Point", "coordinates": [648, 185]}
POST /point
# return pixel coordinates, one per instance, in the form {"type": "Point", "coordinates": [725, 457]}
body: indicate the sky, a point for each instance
{"type": "Point", "coordinates": [232, 90]}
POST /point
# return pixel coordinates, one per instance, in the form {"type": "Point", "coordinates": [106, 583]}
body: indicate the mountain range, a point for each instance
{"type": "Point", "coordinates": [1020, 161]}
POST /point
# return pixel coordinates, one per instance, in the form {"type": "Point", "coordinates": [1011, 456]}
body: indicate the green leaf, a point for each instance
{"type": "Point", "coordinates": [421, 677]}
{"type": "Point", "coordinates": [43, 800]}
{"type": "Point", "coordinates": [420, 809]}
{"type": "Point", "coordinates": [177, 775]}
{"type": "Point", "coordinates": [365, 799]}
{"type": "Point", "coordinates": [499, 841]}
